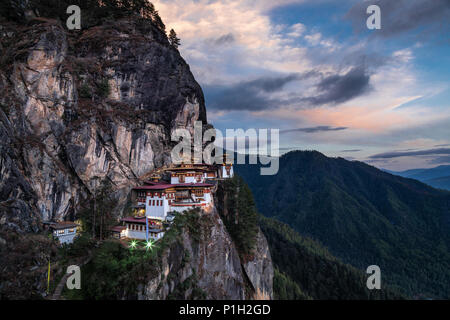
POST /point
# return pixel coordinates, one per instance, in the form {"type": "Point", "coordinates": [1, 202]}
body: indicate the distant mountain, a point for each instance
{"type": "Point", "coordinates": [363, 215]}
{"type": "Point", "coordinates": [441, 183]}
{"type": "Point", "coordinates": [405, 173]}
{"type": "Point", "coordinates": [438, 177]}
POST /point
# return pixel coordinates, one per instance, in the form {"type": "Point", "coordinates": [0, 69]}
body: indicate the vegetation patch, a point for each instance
{"type": "Point", "coordinates": [238, 211]}
{"type": "Point", "coordinates": [306, 270]}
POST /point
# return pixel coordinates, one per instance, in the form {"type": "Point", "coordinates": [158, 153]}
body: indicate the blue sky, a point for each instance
{"type": "Point", "coordinates": [313, 69]}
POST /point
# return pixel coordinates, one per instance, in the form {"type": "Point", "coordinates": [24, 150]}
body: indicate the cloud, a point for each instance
{"type": "Point", "coordinates": [248, 95]}
{"type": "Point", "coordinates": [314, 129]}
{"type": "Point", "coordinates": [296, 30]}
{"type": "Point", "coordinates": [401, 16]}
{"type": "Point", "coordinates": [288, 148]}
{"type": "Point", "coordinates": [351, 150]}
{"type": "Point", "coordinates": [375, 161]}
{"type": "Point", "coordinates": [245, 57]}
{"type": "Point", "coordinates": [341, 88]}
{"type": "Point", "coordinates": [256, 46]}
{"type": "Point", "coordinates": [225, 39]}
{"type": "Point", "coordinates": [396, 154]}
{"type": "Point", "coordinates": [440, 160]}
{"type": "Point", "coordinates": [255, 95]}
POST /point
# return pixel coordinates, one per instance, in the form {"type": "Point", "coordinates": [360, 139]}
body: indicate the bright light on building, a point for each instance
{"type": "Point", "coordinates": [149, 245]}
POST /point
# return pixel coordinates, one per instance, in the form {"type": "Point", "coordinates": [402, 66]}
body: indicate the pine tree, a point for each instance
{"type": "Point", "coordinates": [158, 21]}
{"type": "Point", "coordinates": [96, 212]}
{"type": "Point", "coordinates": [173, 39]}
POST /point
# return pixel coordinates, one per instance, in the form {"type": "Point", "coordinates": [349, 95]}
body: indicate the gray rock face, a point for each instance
{"type": "Point", "coordinates": [102, 103]}
{"type": "Point", "coordinates": [259, 270]}
{"type": "Point", "coordinates": [212, 260]}
{"type": "Point", "coordinates": [77, 105]}
{"type": "Point", "coordinates": [210, 263]}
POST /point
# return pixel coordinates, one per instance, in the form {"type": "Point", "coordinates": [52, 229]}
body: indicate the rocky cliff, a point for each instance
{"type": "Point", "coordinates": [77, 105]}
{"type": "Point", "coordinates": [259, 270]}
{"type": "Point", "coordinates": [99, 104]}
{"type": "Point", "coordinates": [203, 263]}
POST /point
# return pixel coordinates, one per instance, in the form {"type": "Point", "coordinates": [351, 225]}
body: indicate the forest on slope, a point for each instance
{"type": "Point", "coordinates": [303, 269]}
{"type": "Point", "coordinates": [364, 216]}
{"type": "Point", "coordinates": [306, 270]}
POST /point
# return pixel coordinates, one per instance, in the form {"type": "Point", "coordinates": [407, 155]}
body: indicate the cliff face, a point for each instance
{"type": "Point", "coordinates": [259, 270]}
{"type": "Point", "coordinates": [76, 105]}
{"type": "Point", "coordinates": [204, 264]}
{"type": "Point", "coordinates": [100, 104]}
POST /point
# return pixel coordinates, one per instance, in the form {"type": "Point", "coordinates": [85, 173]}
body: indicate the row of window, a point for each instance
{"type": "Point", "coordinates": [156, 194]}
{"type": "Point", "coordinates": [188, 175]}
{"type": "Point", "coordinates": [135, 227]}
{"type": "Point", "coordinates": [198, 192]}
{"type": "Point", "coordinates": [182, 179]}
{"type": "Point", "coordinates": [63, 231]}
{"type": "Point", "coordinates": [159, 194]}
{"type": "Point", "coordinates": [141, 197]}
{"type": "Point", "coordinates": [157, 203]}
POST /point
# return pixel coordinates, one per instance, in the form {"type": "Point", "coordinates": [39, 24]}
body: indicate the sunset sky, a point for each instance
{"type": "Point", "coordinates": [312, 69]}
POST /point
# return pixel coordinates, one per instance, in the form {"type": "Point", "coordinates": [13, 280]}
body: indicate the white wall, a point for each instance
{"type": "Point", "coordinates": [133, 234]}
{"type": "Point", "coordinates": [154, 211]}
{"type": "Point", "coordinates": [142, 235]}
{"type": "Point", "coordinates": [176, 180]}
{"type": "Point", "coordinates": [66, 237]}
{"type": "Point", "coordinates": [206, 197]}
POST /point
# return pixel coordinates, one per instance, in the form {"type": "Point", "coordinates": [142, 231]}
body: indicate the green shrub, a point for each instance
{"type": "Point", "coordinates": [103, 88]}
{"type": "Point", "coordinates": [85, 91]}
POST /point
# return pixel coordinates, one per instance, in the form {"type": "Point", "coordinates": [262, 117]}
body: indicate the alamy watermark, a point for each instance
{"type": "Point", "coordinates": [73, 22]}
{"type": "Point", "coordinates": [374, 280]}
{"type": "Point", "coordinates": [74, 280]}
{"type": "Point", "coordinates": [208, 146]}
{"type": "Point", "coordinates": [374, 20]}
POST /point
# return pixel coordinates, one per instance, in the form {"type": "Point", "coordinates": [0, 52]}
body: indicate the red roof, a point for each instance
{"type": "Point", "coordinates": [63, 225]}
{"type": "Point", "coordinates": [135, 220]}
{"type": "Point", "coordinates": [167, 186]}
{"type": "Point", "coordinates": [153, 183]}
{"type": "Point", "coordinates": [155, 187]}
{"type": "Point", "coordinates": [118, 228]}
{"type": "Point", "coordinates": [191, 169]}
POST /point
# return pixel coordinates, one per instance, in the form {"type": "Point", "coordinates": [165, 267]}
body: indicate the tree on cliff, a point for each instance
{"type": "Point", "coordinates": [96, 212]}
{"type": "Point", "coordinates": [238, 211]}
{"type": "Point", "coordinates": [93, 11]}
{"type": "Point", "coordinates": [173, 39]}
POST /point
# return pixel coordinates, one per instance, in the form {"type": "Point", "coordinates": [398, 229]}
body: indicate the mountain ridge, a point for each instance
{"type": "Point", "coordinates": [363, 215]}
{"type": "Point", "coordinates": [437, 177]}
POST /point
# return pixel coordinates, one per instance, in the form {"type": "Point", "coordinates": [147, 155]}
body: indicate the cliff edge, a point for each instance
{"type": "Point", "coordinates": [82, 106]}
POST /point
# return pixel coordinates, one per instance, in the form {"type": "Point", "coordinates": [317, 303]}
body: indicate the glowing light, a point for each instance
{"type": "Point", "coordinates": [149, 245]}
{"type": "Point", "coordinates": [133, 244]}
